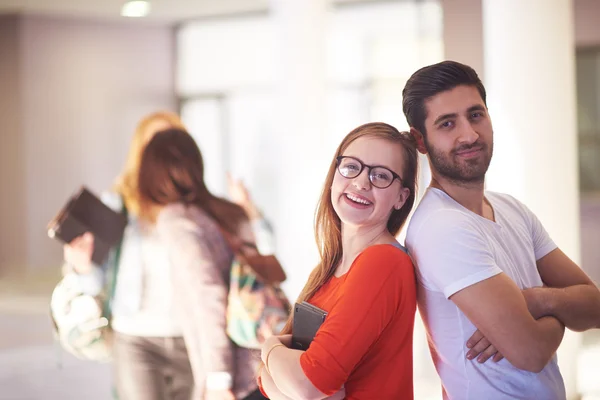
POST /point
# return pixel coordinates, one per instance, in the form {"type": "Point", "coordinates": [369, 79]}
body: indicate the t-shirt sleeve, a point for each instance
{"type": "Point", "coordinates": [451, 253]}
{"type": "Point", "coordinates": [542, 243]}
{"type": "Point", "coordinates": [380, 284]}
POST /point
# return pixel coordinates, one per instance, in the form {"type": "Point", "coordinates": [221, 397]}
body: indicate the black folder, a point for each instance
{"type": "Point", "coordinates": [85, 212]}
{"type": "Point", "coordinates": [307, 321]}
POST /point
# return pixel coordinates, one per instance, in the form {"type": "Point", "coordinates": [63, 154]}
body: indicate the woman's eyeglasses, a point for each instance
{"type": "Point", "coordinates": [380, 177]}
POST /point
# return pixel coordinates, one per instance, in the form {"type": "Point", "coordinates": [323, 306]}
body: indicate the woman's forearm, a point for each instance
{"type": "Point", "coordinates": [269, 386]}
{"type": "Point", "coordinates": [286, 371]}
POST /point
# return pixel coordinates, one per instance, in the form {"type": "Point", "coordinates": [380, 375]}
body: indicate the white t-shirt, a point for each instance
{"type": "Point", "coordinates": [454, 248]}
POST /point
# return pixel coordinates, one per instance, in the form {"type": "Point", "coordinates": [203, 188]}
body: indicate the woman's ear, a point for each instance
{"type": "Point", "coordinates": [418, 137]}
{"type": "Point", "coordinates": [404, 193]}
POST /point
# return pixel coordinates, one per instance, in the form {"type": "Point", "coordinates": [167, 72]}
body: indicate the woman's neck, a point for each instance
{"type": "Point", "coordinates": [355, 240]}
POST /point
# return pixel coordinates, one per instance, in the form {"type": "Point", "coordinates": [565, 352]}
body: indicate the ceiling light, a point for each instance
{"type": "Point", "coordinates": [135, 8]}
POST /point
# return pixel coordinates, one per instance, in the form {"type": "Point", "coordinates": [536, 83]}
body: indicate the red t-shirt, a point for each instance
{"type": "Point", "coordinates": [366, 341]}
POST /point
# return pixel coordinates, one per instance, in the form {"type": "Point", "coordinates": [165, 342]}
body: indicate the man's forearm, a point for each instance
{"type": "Point", "coordinates": [549, 336]}
{"type": "Point", "coordinates": [577, 307]}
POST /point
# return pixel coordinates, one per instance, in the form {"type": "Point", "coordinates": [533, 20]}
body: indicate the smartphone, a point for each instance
{"type": "Point", "coordinates": [307, 321]}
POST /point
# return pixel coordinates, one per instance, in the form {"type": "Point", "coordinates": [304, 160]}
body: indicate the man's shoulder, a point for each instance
{"type": "Point", "coordinates": [437, 211]}
{"type": "Point", "coordinates": [508, 204]}
{"type": "Point", "coordinates": [501, 197]}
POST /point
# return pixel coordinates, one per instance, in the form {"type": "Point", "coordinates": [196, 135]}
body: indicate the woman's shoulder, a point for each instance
{"type": "Point", "coordinates": [384, 259]}
{"type": "Point", "coordinates": [393, 252]}
{"type": "Point", "coordinates": [189, 217]}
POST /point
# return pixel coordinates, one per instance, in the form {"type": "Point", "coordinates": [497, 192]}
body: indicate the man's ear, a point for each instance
{"type": "Point", "coordinates": [418, 137]}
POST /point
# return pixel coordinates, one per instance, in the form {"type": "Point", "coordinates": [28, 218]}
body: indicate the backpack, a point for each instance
{"type": "Point", "coordinates": [257, 308]}
{"type": "Point", "coordinates": [81, 322]}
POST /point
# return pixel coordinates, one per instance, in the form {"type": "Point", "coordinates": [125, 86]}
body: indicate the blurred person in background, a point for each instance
{"type": "Point", "coordinates": [365, 280]}
{"type": "Point", "coordinates": [150, 354]}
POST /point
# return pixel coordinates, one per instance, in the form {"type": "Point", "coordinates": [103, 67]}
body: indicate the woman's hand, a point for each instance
{"type": "Point", "coordinates": [225, 394]}
{"type": "Point", "coordinates": [481, 348]}
{"type": "Point", "coordinates": [240, 195]}
{"type": "Point", "coordinates": [286, 340]}
{"type": "Point", "coordinates": [79, 252]}
{"type": "Point", "coordinates": [273, 341]}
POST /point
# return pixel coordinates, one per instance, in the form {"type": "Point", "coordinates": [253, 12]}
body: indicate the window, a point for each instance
{"type": "Point", "coordinates": [588, 118]}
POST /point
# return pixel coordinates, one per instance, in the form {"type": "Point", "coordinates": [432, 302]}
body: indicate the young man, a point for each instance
{"type": "Point", "coordinates": [492, 282]}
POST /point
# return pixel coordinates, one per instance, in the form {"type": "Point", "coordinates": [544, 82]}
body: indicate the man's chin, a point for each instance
{"type": "Point", "coordinates": [464, 178]}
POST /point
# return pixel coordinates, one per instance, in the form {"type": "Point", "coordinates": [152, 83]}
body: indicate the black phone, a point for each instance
{"type": "Point", "coordinates": [307, 321]}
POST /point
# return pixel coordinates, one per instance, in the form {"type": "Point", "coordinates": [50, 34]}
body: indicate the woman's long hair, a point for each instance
{"type": "Point", "coordinates": [328, 232]}
{"type": "Point", "coordinates": [127, 183]}
{"type": "Point", "coordinates": [172, 171]}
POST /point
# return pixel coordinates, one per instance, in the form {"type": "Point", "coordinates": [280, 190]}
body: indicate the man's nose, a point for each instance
{"type": "Point", "coordinates": [468, 134]}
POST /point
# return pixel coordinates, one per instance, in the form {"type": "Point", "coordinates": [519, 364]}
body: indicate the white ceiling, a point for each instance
{"type": "Point", "coordinates": [162, 11]}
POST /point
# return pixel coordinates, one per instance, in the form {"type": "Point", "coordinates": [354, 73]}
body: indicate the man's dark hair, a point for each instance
{"type": "Point", "coordinates": [431, 80]}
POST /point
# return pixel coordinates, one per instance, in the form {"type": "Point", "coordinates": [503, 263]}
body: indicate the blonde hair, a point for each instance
{"type": "Point", "coordinates": [127, 184]}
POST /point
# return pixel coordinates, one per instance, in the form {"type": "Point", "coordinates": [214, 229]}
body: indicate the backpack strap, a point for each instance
{"type": "Point", "coordinates": [114, 260]}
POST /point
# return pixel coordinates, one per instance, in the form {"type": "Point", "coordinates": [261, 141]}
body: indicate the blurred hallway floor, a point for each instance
{"type": "Point", "coordinates": [32, 367]}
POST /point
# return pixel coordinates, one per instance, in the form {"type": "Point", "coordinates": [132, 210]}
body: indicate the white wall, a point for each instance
{"type": "Point", "coordinates": [82, 87]}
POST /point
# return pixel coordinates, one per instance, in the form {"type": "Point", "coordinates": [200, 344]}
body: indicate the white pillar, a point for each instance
{"type": "Point", "coordinates": [300, 103]}
{"type": "Point", "coordinates": [530, 78]}
{"type": "Point", "coordinates": [463, 33]}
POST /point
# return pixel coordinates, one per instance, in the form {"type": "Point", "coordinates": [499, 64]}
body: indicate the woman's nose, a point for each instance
{"type": "Point", "coordinates": [362, 182]}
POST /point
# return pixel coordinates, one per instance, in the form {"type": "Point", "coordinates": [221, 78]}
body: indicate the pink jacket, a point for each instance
{"type": "Point", "coordinates": [200, 263]}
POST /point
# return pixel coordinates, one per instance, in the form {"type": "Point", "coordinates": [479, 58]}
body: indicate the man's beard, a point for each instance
{"type": "Point", "coordinates": [458, 170]}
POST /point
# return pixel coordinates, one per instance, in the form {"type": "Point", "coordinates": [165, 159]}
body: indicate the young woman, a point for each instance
{"type": "Point", "coordinates": [192, 224]}
{"type": "Point", "coordinates": [365, 280]}
{"type": "Point", "coordinates": [152, 354]}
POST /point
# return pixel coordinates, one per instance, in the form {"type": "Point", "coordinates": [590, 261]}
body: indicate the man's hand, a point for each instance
{"type": "Point", "coordinates": [481, 348]}
{"type": "Point", "coordinates": [225, 394]}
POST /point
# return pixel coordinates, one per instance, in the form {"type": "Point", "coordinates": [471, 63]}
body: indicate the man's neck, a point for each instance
{"type": "Point", "coordinates": [468, 195]}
